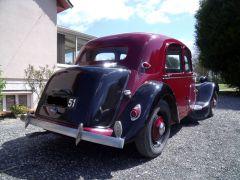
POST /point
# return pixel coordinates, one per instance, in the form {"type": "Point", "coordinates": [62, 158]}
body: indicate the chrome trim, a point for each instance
{"type": "Point", "coordinates": [162, 129]}
{"type": "Point", "coordinates": [196, 107]}
{"type": "Point", "coordinates": [199, 106]}
{"type": "Point", "coordinates": [118, 129]}
{"type": "Point", "coordinates": [176, 77]}
{"type": "Point", "coordinates": [78, 134]}
{"type": "Point", "coordinates": [127, 93]}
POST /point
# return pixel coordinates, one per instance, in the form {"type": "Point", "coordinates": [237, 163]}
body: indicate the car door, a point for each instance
{"type": "Point", "coordinates": [175, 77]}
{"type": "Point", "coordinates": [190, 77]}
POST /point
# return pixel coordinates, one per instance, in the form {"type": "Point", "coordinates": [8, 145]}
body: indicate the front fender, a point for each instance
{"type": "Point", "coordinates": [147, 95]}
{"type": "Point", "coordinates": [205, 92]}
{"type": "Point", "coordinates": [202, 107]}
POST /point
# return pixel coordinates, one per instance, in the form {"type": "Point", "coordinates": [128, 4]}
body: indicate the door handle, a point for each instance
{"type": "Point", "coordinates": [166, 76]}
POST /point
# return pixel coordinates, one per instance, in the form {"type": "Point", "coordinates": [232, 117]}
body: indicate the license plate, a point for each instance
{"type": "Point", "coordinates": [72, 103]}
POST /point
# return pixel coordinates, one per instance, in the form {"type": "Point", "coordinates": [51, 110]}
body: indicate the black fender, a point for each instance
{"type": "Point", "coordinates": [147, 96]}
{"type": "Point", "coordinates": [205, 93]}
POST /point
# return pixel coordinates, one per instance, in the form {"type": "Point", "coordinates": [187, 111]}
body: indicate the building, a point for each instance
{"type": "Point", "coordinates": [69, 42]}
{"type": "Point", "coordinates": [29, 35]}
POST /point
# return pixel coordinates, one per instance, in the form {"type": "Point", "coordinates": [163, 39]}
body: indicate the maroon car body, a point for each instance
{"type": "Point", "coordinates": [124, 88]}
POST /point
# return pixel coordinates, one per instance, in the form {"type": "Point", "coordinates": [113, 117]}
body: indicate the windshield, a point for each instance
{"type": "Point", "coordinates": [104, 54]}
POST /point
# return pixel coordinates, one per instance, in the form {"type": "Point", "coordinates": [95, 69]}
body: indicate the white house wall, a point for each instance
{"type": "Point", "coordinates": [28, 35]}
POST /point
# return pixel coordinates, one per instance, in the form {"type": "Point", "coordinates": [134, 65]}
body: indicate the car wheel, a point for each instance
{"type": "Point", "coordinates": [153, 138]}
{"type": "Point", "coordinates": [213, 104]}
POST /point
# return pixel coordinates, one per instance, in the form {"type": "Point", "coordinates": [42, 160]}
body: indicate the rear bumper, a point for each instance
{"type": "Point", "coordinates": [78, 134]}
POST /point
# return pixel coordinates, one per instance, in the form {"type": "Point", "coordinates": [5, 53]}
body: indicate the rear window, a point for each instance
{"type": "Point", "coordinates": [104, 54]}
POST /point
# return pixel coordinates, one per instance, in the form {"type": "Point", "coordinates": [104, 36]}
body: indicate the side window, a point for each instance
{"type": "Point", "coordinates": [187, 61]}
{"type": "Point", "coordinates": [173, 59]}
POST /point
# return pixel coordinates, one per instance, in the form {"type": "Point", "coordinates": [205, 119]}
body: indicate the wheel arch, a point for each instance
{"type": "Point", "coordinates": [148, 95]}
{"type": "Point", "coordinates": [168, 96]}
{"type": "Point", "coordinates": [171, 100]}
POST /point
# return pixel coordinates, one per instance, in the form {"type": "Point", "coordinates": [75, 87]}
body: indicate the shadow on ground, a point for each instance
{"type": "Point", "coordinates": [42, 155]}
{"type": "Point", "coordinates": [229, 102]}
{"type": "Point", "coordinates": [46, 155]}
{"type": "Point", "coordinates": [186, 122]}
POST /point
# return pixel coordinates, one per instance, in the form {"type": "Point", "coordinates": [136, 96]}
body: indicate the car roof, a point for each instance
{"type": "Point", "coordinates": [136, 37]}
{"type": "Point", "coordinates": [137, 42]}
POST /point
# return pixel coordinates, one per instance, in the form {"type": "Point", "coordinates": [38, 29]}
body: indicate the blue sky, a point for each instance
{"type": "Point", "coordinates": [174, 18]}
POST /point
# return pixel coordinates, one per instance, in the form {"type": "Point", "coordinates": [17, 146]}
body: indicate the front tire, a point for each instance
{"type": "Point", "coordinates": [213, 104]}
{"type": "Point", "coordinates": [153, 138]}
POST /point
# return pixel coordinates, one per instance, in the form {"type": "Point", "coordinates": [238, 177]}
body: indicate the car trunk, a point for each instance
{"type": "Point", "coordinates": [88, 95]}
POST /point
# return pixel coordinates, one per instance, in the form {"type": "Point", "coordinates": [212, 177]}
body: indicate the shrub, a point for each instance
{"type": "Point", "coordinates": [19, 109]}
{"type": "Point", "coordinates": [37, 77]}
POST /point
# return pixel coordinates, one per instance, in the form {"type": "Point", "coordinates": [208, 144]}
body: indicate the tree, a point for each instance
{"type": "Point", "coordinates": [218, 38]}
{"type": "Point", "coordinates": [2, 86]}
{"type": "Point", "coordinates": [37, 78]}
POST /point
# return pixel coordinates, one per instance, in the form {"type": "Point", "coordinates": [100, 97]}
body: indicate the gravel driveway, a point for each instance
{"type": "Point", "coordinates": [208, 149]}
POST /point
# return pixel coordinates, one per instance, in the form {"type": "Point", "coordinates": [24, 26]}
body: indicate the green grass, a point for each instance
{"type": "Point", "coordinates": [226, 88]}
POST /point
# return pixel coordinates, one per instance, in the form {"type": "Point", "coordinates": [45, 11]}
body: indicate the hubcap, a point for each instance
{"type": "Point", "coordinates": [158, 129]}
{"type": "Point", "coordinates": [161, 128]}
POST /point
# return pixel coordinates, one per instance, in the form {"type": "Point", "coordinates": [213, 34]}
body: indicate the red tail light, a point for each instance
{"type": "Point", "coordinates": [105, 132]}
{"type": "Point", "coordinates": [135, 112]}
{"type": "Point", "coordinates": [146, 65]}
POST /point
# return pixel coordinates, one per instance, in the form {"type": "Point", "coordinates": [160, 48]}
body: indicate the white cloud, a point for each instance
{"type": "Point", "coordinates": [175, 7]}
{"type": "Point", "coordinates": [158, 11]}
{"type": "Point", "coordinates": [149, 11]}
{"type": "Point", "coordinates": [86, 12]}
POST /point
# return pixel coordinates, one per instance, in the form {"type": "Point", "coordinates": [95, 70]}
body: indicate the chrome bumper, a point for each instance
{"type": "Point", "coordinates": [78, 134]}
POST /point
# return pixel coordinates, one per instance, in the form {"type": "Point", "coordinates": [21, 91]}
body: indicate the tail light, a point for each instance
{"type": "Point", "coordinates": [146, 65]}
{"type": "Point", "coordinates": [135, 112]}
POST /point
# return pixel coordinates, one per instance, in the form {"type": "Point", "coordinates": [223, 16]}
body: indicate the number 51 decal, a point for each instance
{"type": "Point", "coordinates": [71, 102]}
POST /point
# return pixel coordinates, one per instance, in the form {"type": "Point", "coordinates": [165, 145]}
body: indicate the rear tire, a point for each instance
{"type": "Point", "coordinates": [153, 138]}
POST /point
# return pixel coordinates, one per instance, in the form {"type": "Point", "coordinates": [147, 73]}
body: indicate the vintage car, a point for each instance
{"type": "Point", "coordinates": [125, 88]}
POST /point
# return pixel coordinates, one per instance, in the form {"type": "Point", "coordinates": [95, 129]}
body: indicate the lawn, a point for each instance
{"type": "Point", "coordinates": [226, 88]}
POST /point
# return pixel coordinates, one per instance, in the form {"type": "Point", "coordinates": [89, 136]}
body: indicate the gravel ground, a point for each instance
{"type": "Point", "coordinates": [208, 149]}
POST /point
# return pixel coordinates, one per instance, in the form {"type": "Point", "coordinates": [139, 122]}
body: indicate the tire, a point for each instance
{"type": "Point", "coordinates": [150, 142]}
{"type": "Point", "coordinates": [213, 104]}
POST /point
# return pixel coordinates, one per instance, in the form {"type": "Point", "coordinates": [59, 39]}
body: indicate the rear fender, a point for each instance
{"type": "Point", "coordinates": [147, 96]}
